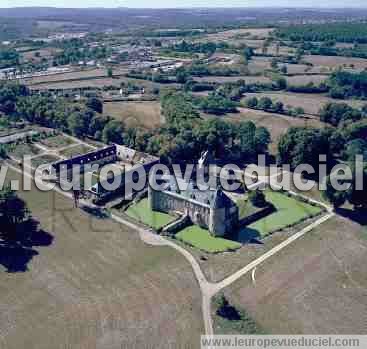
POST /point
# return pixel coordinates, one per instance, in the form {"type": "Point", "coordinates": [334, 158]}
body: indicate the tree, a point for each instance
{"type": "Point", "coordinates": [110, 72]}
{"type": "Point", "coordinates": [284, 69]}
{"type": "Point", "coordinates": [356, 147]}
{"type": "Point", "coordinates": [262, 140]}
{"type": "Point", "coordinates": [95, 104]}
{"type": "Point", "coordinates": [301, 145]}
{"type": "Point", "coordinates": [181, 75]}
{"type": "Point", "coordinates": [3, 152]}
{"type": "Point", "coordinates": [113, 132]}
{"type": "Point", "coordinates": [335, 197]}
{"type": "Point", "coordinates": [274, 63]}
{"type": "Point", "coordinates": [265, 103]}
{"type": "Point", "coordinates": [79, 122]}
{"type": "Point", "coordinates": [335, 113]}
{"type": "Point", "coordinates": [252, 102]}
{"type": "Point", "coordinates": [278, 107]}
{"type": "Point", "coordinates": [13, 211]}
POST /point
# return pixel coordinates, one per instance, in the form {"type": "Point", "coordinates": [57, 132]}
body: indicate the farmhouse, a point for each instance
{"type": "Point", "coordinates": [211, 209]}
{"type": "Point", "coordinates": [127, 160]}
{"type": "Point", "coordinates": [130, 162]}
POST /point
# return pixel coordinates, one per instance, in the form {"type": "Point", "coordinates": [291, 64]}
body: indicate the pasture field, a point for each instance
{"type": "Point", "coordinates": [89, 282]}
{"type": "Point", "coordinates": [277, 124]}
{"type": "Point", "coordinates": [201, 238]}
{"type": "Point", "coordinates": [300, 80]}
{"type": "Point", "coordinates": [142, 213]}
{"type": "Point", "coordinates": [315, 286]}
{"type": "Point", "coordinates": [135, 114]}
{"type": "Point", "coordinates": [289, 211]}
{"type": "Point", "coordinates": [311, 103]}
{"type": "Point", "coordinates": [336, 62]}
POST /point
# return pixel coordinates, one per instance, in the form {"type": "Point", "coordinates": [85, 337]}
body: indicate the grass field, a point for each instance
{"type": "Point", "coordinates": [203, 240]}
{"type": "Point", "coordinates": [288, 212]}
{"type": "Point", "coordinates": [315, 286]}
{"type": "Point", "coordinates": [92, 283]}
{"type": "Point", "coordinates": [135, 114]}
{"type": "Point", "coordinates": [142, 213]}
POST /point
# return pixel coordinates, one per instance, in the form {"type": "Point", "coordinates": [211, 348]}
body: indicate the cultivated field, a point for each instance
{"type": "Point", "coordinates": [315, 286]}
{"type": "Point", "coordinates": [311, 103]}
{"type": "Point", "coordinates": [336, 62]}
{"type": "Point", "coordinates": [144, 114]}
{"type": "Point", "coordinates": [93, 284]}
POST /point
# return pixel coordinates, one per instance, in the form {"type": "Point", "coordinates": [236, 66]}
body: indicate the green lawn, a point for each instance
{"type": "Point", "coordinates": [201, 239]}
{"type": "Point", "coordinates": [141, 212]}
{"type": "Point", "coordinates": [288, 211]}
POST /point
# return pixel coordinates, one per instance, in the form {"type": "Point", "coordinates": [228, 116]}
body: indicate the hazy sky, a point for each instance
{"type": "Point", "coordinates": [184, 3]}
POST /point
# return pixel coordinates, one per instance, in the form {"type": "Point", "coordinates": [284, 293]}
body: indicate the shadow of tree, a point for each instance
{"type": "Point", "coordinates": [95, 212]}
{"type": "Point", "coordinates": [16, 248]}
{"type": "Point", "coordinates": [358, 216]}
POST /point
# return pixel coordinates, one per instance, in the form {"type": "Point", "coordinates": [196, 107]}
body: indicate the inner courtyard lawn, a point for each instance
{"type": "Point", "coordinates": [141, 212]}
{"type": "Point", "coordinates": [203, 240]}
{"type": "Point", "coordinates": [288, 212]}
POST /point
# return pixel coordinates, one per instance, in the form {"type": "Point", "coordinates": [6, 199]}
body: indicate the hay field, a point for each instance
{"type": "Point", "coordinates": [315, 286]}
{"type": "Point", "coordinates": [144, 114]}
{"type": "Point", "coordinates": [93, 284]}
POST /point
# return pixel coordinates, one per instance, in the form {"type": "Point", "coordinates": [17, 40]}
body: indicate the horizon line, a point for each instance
{"type": "Point", "coordinates": [194, 7]}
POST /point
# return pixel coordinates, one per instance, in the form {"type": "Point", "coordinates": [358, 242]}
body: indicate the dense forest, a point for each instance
{"type": "Point", "coordinates": [342, 32]}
